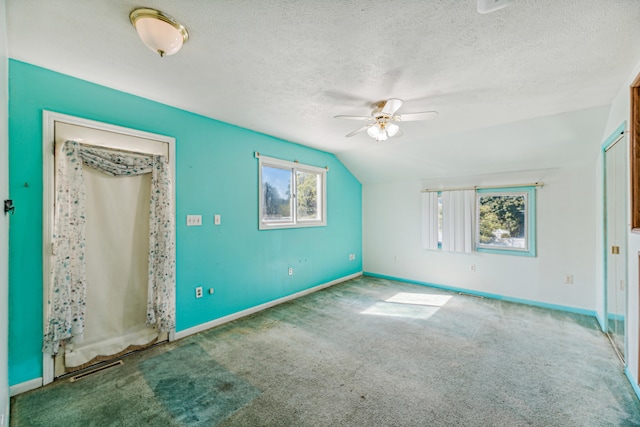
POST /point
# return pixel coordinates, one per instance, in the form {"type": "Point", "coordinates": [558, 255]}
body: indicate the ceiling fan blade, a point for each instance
{"type": "Point", "coordinates": [411, 117]}
{"type": "Point", "coordinates": [353, 117]}
{"type": "Point", "coordinates": [357, 131]}
{"type": "Point", "coordinates": [391, 106]}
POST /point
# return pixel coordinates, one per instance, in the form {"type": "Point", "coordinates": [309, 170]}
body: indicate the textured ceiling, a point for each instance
{"type": "Point", "coordinates": [286, 67]}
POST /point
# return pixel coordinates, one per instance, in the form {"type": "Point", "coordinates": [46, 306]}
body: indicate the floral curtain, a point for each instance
{"type": "Point", "coordinates": [67, 292]}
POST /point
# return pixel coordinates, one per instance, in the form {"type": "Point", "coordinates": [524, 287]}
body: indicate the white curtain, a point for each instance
{"type": "Point", "coordinates": [430, 220]}
{"type": "Point", "coordinates": [116, 253]}
{"type": "Point", "coordinates": [67, 293]}
{"type": "Point", "coordinates": [458, 211]}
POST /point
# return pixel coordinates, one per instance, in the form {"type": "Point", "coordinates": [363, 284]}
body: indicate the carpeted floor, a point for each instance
{"type": "Point", "coordinates": [368, 352]}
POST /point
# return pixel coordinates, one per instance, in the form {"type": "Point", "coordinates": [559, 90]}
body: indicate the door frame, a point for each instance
{"type": "Point", "coordinates": [617, 136]}
{"type": "Point", "coordinates": [49, 119]}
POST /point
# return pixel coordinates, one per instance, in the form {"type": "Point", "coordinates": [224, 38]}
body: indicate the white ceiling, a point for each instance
{"type": "Point", "coordinates": [286, 67]}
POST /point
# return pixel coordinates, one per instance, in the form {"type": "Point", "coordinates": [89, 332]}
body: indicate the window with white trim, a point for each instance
{"type": "Point", "coordinates": [291, 194]}
{"type": "Point", "coordinates": [506, 220]}
{"type": "Point", "coordinates": [491, 220]}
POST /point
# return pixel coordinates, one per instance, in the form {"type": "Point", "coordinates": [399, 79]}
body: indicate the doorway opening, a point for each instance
{"type": "Point", "coordinates": [116, 233]}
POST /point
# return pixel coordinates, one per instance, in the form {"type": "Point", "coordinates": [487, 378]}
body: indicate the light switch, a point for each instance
{"type": "Point", "coordinates": [216, 219]}
{"type": "Point", "coordinates": [193, 220]}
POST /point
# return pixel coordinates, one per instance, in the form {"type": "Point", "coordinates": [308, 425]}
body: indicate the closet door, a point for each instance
{"type": "Point", "coordinates": [615, 191]}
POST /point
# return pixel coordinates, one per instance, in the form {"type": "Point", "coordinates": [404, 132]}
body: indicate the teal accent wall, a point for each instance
{"type": "Point", "coordinates": [216, 173]}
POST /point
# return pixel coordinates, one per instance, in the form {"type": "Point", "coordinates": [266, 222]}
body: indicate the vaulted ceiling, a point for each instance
{"type": "Point", "coordinates": [519, 88]}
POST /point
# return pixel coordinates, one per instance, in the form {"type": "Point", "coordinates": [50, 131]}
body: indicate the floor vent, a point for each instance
{"type": "Point", "coordinates": [93, 371]}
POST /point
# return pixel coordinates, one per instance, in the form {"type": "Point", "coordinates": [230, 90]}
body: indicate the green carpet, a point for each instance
{"type": "Point", "coordinates": [193, 388]}
{"type": "Point", "coordinates": [367, 352]}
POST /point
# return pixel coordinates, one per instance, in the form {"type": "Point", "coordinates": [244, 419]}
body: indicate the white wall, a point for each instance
{"type": "Point", "coordinates": [4, 222]}
{"type": "Point", "coordinates": [565, 214]}
{"type": "Point", "coordinates": [620, 112]}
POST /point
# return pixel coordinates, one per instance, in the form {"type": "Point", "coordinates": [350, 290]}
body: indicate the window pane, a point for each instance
{"type": "Point", "coordinates": [502, 221]}
{"type": "Point", "coordinates": [276, 194]}
{"type": "Point", "coordinates": [307, 191]}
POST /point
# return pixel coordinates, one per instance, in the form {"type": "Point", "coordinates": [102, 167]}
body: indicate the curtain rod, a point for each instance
{"type": "Point", "coordinates": [257, 155]}
{"type": "Point", "coordinates": [478, 187]}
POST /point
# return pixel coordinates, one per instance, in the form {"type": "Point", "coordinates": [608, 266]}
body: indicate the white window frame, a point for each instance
{"type": "Point", "coordinates": [529, 194]}
{"type": "Point", "coordinates": [294, 222]}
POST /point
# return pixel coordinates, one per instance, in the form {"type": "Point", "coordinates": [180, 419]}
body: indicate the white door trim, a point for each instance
{"type": "Point", "coordinates": [49, 120]}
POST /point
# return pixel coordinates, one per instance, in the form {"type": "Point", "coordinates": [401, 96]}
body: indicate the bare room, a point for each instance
{"type": "Point", "coordinates": [320, 213]}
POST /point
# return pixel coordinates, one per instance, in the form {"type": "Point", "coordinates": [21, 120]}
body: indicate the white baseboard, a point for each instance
{"type": "Point", "coordinates": [257, 308]}
{"type": "Point", "coordinates": [25, 386]}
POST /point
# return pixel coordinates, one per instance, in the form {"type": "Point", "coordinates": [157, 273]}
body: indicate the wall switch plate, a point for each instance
{"type": "Point", "coordinates": [199, 292]}
{"type": "Point", "coordinates": [216, 219]}
{"type": "Point", "coordinates": [290, 271]}
{"type": "Point", "coordinates": [568, 279]}
{"type": "Point", "coordinates": [211, 291]}
{"type": "Point", "coordinates": [472, 267]}
{"type": "Point", "coordinates": [352, 257]}
{"type": "Point", "coordinates": [194, 220]}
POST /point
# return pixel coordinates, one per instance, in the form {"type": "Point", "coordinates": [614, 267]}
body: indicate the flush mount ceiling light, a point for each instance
{"type": "Point", "coordinates": [161, 33]}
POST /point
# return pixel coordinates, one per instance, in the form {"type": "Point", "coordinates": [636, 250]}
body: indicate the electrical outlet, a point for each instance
{"type": "Point", "coordinates": [290, 271]}
{"type": "Point", "coordinates": [472, 267]}
{"type": "Point", "coordinates": [211, 291]}
{"type": "Point", "coordinates": [199, 292]}
{"type": "Point", "coordinates": [568, 279]}
{"type": "Point", "coordinates": [193, 220]}
{"type": "Point", "coordinates": [352, 257]}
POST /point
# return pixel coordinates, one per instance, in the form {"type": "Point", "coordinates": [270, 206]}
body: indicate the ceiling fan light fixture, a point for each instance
{"type": "Point", "coordinates": [374, 130]}
{"type": "Point", "coordinates": [382, 136]}
{"type": "Point", "coordinates": [158, 31]}
{"type": "Point", "coordinates": [382, 120]}
{"type": "Point", "coordinates": [392, 129]}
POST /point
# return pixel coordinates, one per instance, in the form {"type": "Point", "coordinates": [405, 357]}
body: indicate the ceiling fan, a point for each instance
{"type": "Point", "coordinates": [488, 6]}
{"type": "Point", "coordinates": [382, 120]}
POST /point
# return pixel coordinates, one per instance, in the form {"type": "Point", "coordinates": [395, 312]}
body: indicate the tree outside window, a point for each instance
{"type": "Point", "coordinates": [506, 220]}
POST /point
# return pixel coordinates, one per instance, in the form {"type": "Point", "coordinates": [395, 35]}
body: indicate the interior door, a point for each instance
{"type": "Point", "coordinates": [616, 288]}
{"type": "Point", "coordinates": [117, 234]}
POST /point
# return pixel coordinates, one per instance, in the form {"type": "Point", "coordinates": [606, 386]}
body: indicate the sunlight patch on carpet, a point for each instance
{"type": "Point", "coordinates": [410, 305]}
{"type": "Point", "coordinates": [432, 300]}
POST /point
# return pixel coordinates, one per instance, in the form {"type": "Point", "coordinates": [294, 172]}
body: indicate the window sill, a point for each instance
{"type": "Point", "coordinates": [284, 226]}
{"type": "Point", "coordinates": [527, 253]}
